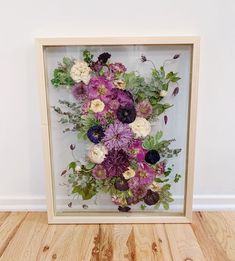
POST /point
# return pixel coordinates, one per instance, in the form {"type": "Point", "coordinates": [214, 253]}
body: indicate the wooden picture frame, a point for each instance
{"type": "Point", "coordinates": [106, 217]}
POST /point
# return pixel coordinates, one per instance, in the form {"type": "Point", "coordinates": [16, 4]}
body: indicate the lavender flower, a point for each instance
{"type": "Point", "coordinates": [79, 91]}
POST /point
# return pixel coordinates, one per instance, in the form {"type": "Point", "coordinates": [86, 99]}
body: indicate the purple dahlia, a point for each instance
{"type": "Point", "coordinates": [117, 136]}
{"type": "Point", "coordinates": [115, 163]}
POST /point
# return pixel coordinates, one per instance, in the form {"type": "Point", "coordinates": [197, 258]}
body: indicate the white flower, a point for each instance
{"type": "Point", "coordinates": [130, 173]}
{"type": "Point", "coordinates": [120, 84]}
{"type": "Point", "coordinates": [97, 153]}
{"type": "Point", "coordinates": [141, 127]}
{"type": "Point", "coordinates": [80, 71]}
{"type": "Point", "coordinates": [163, 93]}
{"type": "Point", "coordinates": [155, 187]}
{"type": "Point", "coordinates": [97, 105]}
{"type": "Point", "coordinates": [78, 168]}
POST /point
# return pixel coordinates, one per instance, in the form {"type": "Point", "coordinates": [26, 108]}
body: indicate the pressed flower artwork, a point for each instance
{"type": "Point", "coordinates": [119, 118]}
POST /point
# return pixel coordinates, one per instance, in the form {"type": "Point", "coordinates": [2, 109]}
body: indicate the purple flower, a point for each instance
{"type": "Point", "coordinates": [145, 174]}
{"type": "Point", "coordinates": [116, 162]}
{"type": "Point", "coordinates": [126, 114]}
{"type": "Point", "coordinates": [96, 66]}
{"type": "Point", "coordinates": [117, 136]}
{"type": "Point", "coordinates": [176, 56]}
{"type": "Point", "coordinates": [151, 198]}
{"type": "Point", "coordinates": [99, 172]}
{"type": "Point", "coordinates": [138, 190]}
{"type": "Point", "coordinates": [95, 134]}
{"type": "Point", "coordinates": [79, 91]}
{"type": "Point", "coordinates": [100, 88]}
{"type": "Point", "coordinates": [122, 97]}
{"type": "Point", "coordinates": [160, 168]}
{"type": "Point", "coordinates": [103, 58]}
{"type": "Point", "coordinates": [152, 157]}
{"type": "Point", "coordinates": [117, 68]}
{"type": "Point", "coordinates": [121, 184]}
{"type": "Point", "coordinates": [136, 150]}
{"type": "Point", "coordinates": [144, 109]}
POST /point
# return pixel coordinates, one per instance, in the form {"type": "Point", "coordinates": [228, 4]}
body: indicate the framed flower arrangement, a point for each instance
{"type": "Point", "coordinates": [118, 121]}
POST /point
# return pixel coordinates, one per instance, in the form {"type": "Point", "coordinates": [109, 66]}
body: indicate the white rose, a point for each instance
{"type": "Point", "coordinates": [97, 153]}
{"type": "Point", "coordinates": [163, 93]}
{"type": "Point", "coordinates": [80, 71]}
{"type": "Point", "coordinates": [130, 173]}
{"type": "Point", "coordinates": [141, 127]}
{"type": "Point", "coordinates": [97, 105]}
{"type": "Point", "coordinates": [155, 187]}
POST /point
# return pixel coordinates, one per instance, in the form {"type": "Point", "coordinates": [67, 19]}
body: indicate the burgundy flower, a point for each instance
{"type": "Point", "coordinates": [116, 162]}
{"type": "Point", "coordinates": [151, 198]}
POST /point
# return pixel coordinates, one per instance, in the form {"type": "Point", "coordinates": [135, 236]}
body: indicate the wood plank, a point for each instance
{"type": "Point", "coordinates": [10, 225]}
{"type": "Point", "coordinates": [70, 243]}
{"type": "Point", "coordinates": [206, 237]}
{"type": "Point", "coordinates": [26, 242]}
{"type": "Point", "coordinates": [183, 243]}
{"type": "Point", "coordinates": [3, 216]}
{"type": "Point", "coordinates": [133, 242]}
{"type": "Point", "coordinates": [221, 229]}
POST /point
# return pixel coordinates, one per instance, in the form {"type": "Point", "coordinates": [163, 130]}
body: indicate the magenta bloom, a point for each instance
{"type": "Point", "coordinates": [160, 168]}
{"type": "Point", "coordinates": [100, 88]}
{"type": "Point", "coordinates": [145, 174]}
{"type": "Point", "coordinates": [99, 172]}
{"type": "Point", "coordinates": [123, 97]}
{"type": "Point", "coordinates": [138, 190]}
{"type": "Point", "coordinates": [116, 162]}
{"type": "Point", "coordinates": [79, 91]}
{"type": "Point", "coordinates": [136, 150]}
{"type": "Point", "coordinates": [117, 68]}
{"type": "Point", "coordinates": [117, 136]}
{"type": "Point", "coordinates": [144, 109]}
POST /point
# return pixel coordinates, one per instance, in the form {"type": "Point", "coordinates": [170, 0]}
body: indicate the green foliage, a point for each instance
{"type": "Point", "coordinates": [177, 178]}
{"type": "Point", "coordinates": [87, 56]}
{"type": "Point", "coordinates": [72, 165]}
{"type": "Point", "coordinates": [86, 192]}
{"type": "Point", "coordinates": [165, 197]}
{"type": "Point", "coordinates": [143, 207]}
{"type": "Point", "coordinates": [87, 121]}
{"type": "Point", "coordinates": [61, 75]}
{"type": "Point", "coordinates": [161, 180]}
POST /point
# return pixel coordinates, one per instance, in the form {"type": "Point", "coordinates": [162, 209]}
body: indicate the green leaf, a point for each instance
{"type": "Point", "coordinates": [177, 178]}
{"type": "Point", "coordinates": [90, 165]}
{"type": "Point", "coordinates": [143, 207]}
{"type": "Point", "coordinates": [166, 187]}
{"type": "Point", "coordinates": [158, 135]}
{"type": "Point", "coordinates": [87, 56]}
{"type": "Point", "coordinates": [161, 180]}
{"type": "Point", "coordinates": [72, 165]}
{"type": "Point", "coordinates": [165, 205]}
{"type": "Point", "coordinates": [149, 142]}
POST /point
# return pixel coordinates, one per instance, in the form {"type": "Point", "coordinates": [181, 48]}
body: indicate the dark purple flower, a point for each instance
{"type": "Point", "coordinates": [121, 184]}
{"type": "Point", "coordinates": [123, 97]}
{"type": "Point", "coordinates": [72, 146]}
{"type": "Point", "coordinates": [79, 90]}
{"type": "Point", "coordinates": [152, 157]}
{"type": "Point", "coordinates": [151, 198]}
{"type": "Point", "coordinates": [96, 66]}
{"type": "Point", "coordinates": [95, 134]}
{"type": "Point", "coordinates": [103, 58]}
{"type": "Point", "coordinates": [126, 114]}
{"type": "Point", "coordinates": [165, 119]}
{"type": "Point", "coordinates": [143, 58]}
{"type": "Point", "coordinates": [117, 136]}
{"type": "Point", "coordinates": [124, 209]}
{"type": "Point", "coordinates": [116, 162]}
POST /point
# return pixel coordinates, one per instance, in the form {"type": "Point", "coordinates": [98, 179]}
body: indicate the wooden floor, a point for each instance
{"type": "Point", "coordinates": [27, 237]}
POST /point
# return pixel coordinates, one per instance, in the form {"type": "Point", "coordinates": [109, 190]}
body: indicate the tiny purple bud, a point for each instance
{"type": "Point", "coordinates": [176, 91]}
{"type": "Point", "coordinates": [176, 56]}
{"type": "Point", "coordinates": [143, 58]}
{"type": "Point", "coordinates": [165, 119]}
{"type": "Point", "coordinates": [63, 172]}
{"type": "Point", "coordinates": [72, 146]}
{"type": "Point", "coordinates": [70, 204]}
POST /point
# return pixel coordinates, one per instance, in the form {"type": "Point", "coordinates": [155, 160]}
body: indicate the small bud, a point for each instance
{"type": "Point", "coordinates": [176, 56]}
{"type": "Point", "coordinates": [165, 119]}
{"type": "Point", "coordinates": [85, 206]}
{"type": "Point", "coordinates": [70, 204]}
{"type": "Point", "coordinates": [143, 58]}
{"type": "Point", "coordinates": [176, 91]}
{"type": "Point", "coordinates": [72, 146]}
{"type": "Point", "coordinates": [63, 172]}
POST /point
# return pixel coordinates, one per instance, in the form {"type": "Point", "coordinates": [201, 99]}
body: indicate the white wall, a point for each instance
{"type": "Point", "coordinates": [22, 179]}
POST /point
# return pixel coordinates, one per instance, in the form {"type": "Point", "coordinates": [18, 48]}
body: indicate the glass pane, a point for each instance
{"type": "Point", "coordinates": [121, 166]}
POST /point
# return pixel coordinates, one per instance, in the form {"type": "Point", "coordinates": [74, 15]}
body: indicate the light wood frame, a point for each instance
{"type": "Point", "coordinates": [120, 217]}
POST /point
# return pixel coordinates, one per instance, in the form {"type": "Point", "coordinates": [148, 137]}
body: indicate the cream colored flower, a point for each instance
{"type": "Point", "coordinates": [97, 153]}
{"type": "Point", "coordinates": [78, 168]}
{"type": "Point", "coordinates": [163, 93]}
{"type": "Point", "coordinates": [141, 127]}
{"type": "Point", "coordinates": [130, 173]}
{"type": "Point", "coordinates": [120, 84]}
{"type": "Point", "coordinates": [97, 105]}
{"type": "Point", "coordinates": [155, 187]}
{"type": "Point", "coordinates": [80, 71]}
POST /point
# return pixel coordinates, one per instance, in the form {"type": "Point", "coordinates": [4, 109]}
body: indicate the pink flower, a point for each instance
{"type": "Point", "coordinates": [145, 174]}
{"type": "Point", "coordinates": [144, 109]}
{"type": "Point", "coordinates": [136, 150]}
{"type": "Point", "coordinates": [99, 172]}
{"type": "Point", "coordinates": [100, 88]}
{"type": "Point", "coordinates": [160, 168]}
{"type": "Point", "coordinates": [114, 70]}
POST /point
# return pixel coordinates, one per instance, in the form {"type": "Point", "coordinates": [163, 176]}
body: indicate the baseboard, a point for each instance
{"type": "Point", "coordinates": [38, 203]}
